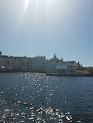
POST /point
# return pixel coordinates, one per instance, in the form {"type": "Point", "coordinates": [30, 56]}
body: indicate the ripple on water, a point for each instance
{"type": "Point", "coordinates": [51, 114]}
{"type": "Point", "coordinates": [50, 98]}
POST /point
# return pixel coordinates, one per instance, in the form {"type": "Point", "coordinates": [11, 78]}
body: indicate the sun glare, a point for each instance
{"type": "Point", "coordinates": [26, 5]}
{"type": "Point", "coordinates": [23, 10]}
{"type": "Point", "coordinates": [38, 6]}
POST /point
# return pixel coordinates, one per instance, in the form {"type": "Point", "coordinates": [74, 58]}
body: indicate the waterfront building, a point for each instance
{"type": "Point", "coordinates": [0, 57]}
{"type": "Point", "coordinates": [20, 63]}
{"type": "Point", "coordinates": [38, 64]}
{"type": "Point", "coordinates": [2, 68]}
{"type": "Point", "coordinates": [4, 61]}
{"type": "Point", "coordinates": [51, 64]}
{"type": "Point", "coordinates": [69, 67]}
{"type": "Point", "coordinates": [10, 63]}
{"type": "Point", "coordinates": [61, 67]}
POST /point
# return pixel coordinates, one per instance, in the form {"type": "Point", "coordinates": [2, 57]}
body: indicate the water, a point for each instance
{"type": "Point", "coordinates": [37, 98]}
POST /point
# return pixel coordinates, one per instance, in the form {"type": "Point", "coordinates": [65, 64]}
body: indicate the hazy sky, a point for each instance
{"type": "Point", "coordinates": [45, 27]}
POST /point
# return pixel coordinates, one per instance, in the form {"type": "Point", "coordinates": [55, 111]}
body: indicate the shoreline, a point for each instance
{"type": "Point", "coordinates": [49, 74]}
{"type": "Point", "coordinates": [71, 75]}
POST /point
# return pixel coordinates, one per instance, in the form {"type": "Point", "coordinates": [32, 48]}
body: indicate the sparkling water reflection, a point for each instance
{"type": "Point", "coordinates": [37, 98]}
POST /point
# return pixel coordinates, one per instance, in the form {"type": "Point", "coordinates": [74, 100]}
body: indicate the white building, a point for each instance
{"type": "Point", "coordinates": [61, 67]}
{"type": "Point", "coordinates": [38, 64]}
{"type": "Point", "coordinates": [68, 67]}
{"type": "Point", "coordinates": [51, 66]}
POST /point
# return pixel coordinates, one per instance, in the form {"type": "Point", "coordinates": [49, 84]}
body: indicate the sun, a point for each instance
{"type": "Point", "coordinates": [38, 5]}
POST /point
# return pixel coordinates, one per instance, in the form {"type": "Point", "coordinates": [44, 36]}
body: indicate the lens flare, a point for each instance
{"type": "Point", "coordinates": [36, 6]}
{"type": "Point", "coordinates": [26, 5]}
{"type": "Point", "coordinates": [22, 12]}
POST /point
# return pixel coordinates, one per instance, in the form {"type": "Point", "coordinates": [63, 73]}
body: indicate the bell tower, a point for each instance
{"type": "Point", "coordinates": [55, 56]}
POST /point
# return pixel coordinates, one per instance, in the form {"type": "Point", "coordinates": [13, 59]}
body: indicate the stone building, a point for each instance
{"type": "Point", "coordinates": [10, 63]}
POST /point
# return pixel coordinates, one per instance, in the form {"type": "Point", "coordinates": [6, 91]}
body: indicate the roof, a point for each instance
{"type": "Point", "coordinates": [4, 56]}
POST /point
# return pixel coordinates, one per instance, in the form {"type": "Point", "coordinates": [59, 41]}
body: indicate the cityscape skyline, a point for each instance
{"type": "Point", "coordinates": [33, 28]}
{"type": "Point", "coordinates": [41, 64]}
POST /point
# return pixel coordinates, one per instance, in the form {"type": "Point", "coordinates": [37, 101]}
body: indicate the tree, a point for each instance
{"type": "Point", "coordinates": [90, 70]}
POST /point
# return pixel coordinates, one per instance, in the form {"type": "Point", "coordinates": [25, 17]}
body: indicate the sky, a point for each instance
{"type": "Point", "coordinates": [44, 27]}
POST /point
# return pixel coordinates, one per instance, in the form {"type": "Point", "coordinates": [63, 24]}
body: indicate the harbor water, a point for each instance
{"type": "Point", "coordinates": [37, 98]}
